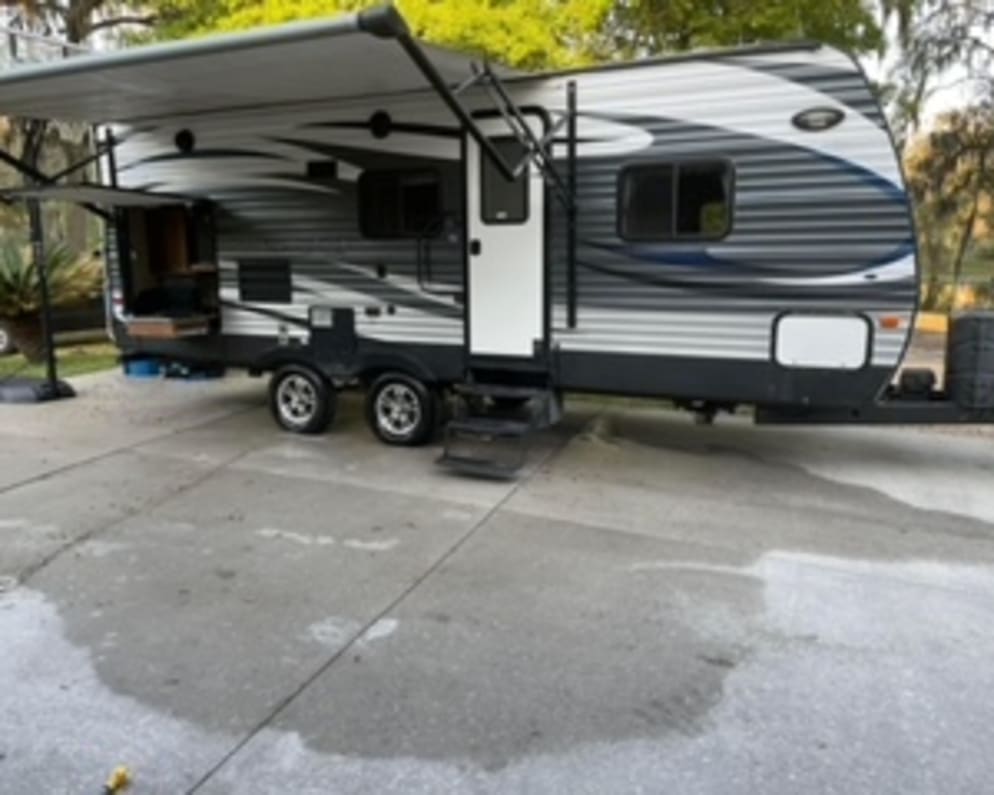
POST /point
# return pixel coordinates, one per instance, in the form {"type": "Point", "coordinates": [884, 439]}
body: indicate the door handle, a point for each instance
{"type": "Point", "coordinates": [475, 248]}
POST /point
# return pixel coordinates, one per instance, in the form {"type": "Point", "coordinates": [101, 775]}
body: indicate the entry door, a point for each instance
{"type": "Point", "coordinates": [506, 250]}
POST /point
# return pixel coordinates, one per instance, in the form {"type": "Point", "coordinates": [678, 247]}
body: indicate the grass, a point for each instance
{"type": "Point", "coordinates": [73, 360]}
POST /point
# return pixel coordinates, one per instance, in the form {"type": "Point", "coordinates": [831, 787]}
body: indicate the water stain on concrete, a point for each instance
{"type": "Point", "coordinates": [276, 534]}
{"type": "Point", "coordinates": [80, 729]}
{"type": "Point", "coordinates": [384, 545]}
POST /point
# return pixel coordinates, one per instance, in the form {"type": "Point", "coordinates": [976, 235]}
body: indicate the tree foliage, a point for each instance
{"type": "Point", "coordinates": [939, 40]}
{"type": "Point", "coordinates": [652, 26]}
{"type": "Point", "coordinates": [545, 33]}
{"type": "Point", "coordinates": [47, 146]}
{"type": "Point", "coordinates": [74, 21]}
{"type": "Point", "coordinates": [73, 279]}
{"type": "Point", "coordinates": [528, 33]}
{"type": "Point", "coordinates": [951, 176]}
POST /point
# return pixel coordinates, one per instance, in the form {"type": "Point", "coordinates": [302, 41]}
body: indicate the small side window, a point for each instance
{"type": "Point", "coordinates": [503, 200]}
{"type": "Point", "coordinates": [675, 201]}
{"type": "Point", "coordinates": [398, 204]}
{"type": "Point", "coordinates": [266, 281]}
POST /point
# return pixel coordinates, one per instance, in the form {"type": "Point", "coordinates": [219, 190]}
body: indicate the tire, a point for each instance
{"type": "Point", "coordinates": [401, 410]}
{"type": "Point", "coordinates": [6, 342]}
{"type": "Point", "coordinates": [301, 400]}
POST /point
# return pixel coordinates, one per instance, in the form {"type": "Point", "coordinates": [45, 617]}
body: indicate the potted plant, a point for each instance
{"type": "Point", "coordinates": [72, 280]}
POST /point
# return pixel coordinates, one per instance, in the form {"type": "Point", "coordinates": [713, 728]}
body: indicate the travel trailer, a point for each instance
{"type": "Point", "coordinates": [335, 203]}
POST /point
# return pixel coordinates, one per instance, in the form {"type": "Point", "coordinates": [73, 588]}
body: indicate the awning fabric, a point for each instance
{"type": "Point", "coordinates": [310, 61]}
{"type": "Point", "coordinates": [95, 194]}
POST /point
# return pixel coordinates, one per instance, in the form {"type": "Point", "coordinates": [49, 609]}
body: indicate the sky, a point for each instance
{"type": "Point", "coordinates": [952, 90]}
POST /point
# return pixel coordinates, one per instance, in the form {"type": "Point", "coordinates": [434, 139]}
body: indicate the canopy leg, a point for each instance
{"type": "Point", "coordinates": [25, 390]}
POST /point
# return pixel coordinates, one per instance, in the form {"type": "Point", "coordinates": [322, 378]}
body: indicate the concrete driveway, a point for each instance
{"type": "Point", "coordinates": [653, 607]}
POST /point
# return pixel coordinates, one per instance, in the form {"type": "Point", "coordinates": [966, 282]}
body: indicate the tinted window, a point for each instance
{"type": "Point", "coordinates": [675, 201]}
{"type": "Point", "coordinates": [398, 204]}
{"type": "Point", "coordinates": [504, 201]}
{"type": "Point", "coordinates": [647, 196]}
{"type": "Point", "coordinates": [265, 280]}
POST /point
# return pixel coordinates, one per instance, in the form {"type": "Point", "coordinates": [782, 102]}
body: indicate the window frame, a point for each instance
{"type": "Point", "coordinates": [676, 164]}
{"type": "Point", "coordinates": [361, 217]}
{"type": "Point", "coordinates": [485, 165]}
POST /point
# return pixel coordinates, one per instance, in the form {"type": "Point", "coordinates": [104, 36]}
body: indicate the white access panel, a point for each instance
{"type": "Point", "coordinates": [827, 342]}
{"type": "Point", "coordinates": [506, 262]}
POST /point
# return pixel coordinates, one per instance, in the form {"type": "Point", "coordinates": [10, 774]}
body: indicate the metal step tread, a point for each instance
{"type": "Point", "coordinates": [478, 467]}
{"type": "Point", "coordinates": [501, 390]}
{"type": "Point", "coordinates": [489, 426]}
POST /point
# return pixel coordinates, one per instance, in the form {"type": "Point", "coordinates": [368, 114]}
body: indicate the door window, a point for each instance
{"type": "Point", "coordinates": [504, 201]}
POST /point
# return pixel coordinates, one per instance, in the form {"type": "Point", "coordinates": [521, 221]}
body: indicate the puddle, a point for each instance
{"type": "Point", "coordinates": [862, 677]}
{"type": "Point", "coordinates": [80, 729]}
{"type": "Point", "coordinates": [794, 673]}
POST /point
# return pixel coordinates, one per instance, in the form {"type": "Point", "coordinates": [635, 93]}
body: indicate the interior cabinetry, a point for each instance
{"type": "Point", "coordinates": [169, 270]}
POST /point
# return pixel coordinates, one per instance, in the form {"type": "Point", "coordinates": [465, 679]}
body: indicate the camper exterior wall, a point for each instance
{"type": "Point", "coordinates": [819, 224]}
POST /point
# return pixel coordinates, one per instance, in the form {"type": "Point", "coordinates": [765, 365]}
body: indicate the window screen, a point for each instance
{"type": "Point", "coordinates": [265, 280]}
{"type": "Point", "coordinates": [675, 201]}
{"type": "Point", "coordinates": [398, 204]}
{"type": "Point", "coordinates": [504, 201]}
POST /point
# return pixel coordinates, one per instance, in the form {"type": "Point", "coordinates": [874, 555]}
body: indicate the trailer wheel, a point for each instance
{"type": "Point", "coordinates": [301, 400]}
{"type": "Point", "coordinates": [401, 410]}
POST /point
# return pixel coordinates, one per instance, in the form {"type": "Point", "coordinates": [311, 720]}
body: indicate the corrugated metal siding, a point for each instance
{"type": "Point", "coordinates": [805, 207]}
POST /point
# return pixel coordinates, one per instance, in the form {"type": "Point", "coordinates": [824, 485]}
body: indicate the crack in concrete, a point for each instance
{"type": "Point", "coordinates": [30, 571]}
{"type": "Point", "coordinates": [370, 626]}
{"type": "Point", "coordinates": [125, 448]}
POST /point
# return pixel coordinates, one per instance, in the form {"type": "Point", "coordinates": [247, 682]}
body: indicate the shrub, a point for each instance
{"type": "Point", "coordinates": [72, 280]}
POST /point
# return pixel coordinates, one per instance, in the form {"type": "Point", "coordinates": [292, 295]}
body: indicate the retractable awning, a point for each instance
{"type": "Point", "coordinates": [99, 195]}
{"type": "Point", "coordinates": [362, 54]}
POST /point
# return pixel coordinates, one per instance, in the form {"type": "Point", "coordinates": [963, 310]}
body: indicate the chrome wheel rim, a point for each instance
{"type": "Point", "coordinates": [297, 400]}
{"type": "Point", "coordinates": [398, 410]}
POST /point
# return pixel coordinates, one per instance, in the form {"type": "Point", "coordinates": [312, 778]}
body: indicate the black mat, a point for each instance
{"type": "Point", "coordinates": [33, 390]}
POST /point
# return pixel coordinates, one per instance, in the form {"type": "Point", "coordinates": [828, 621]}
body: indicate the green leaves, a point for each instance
{"type": "Point", "coordinates": [527, 33]}
{"type": "Point", "coordinates": [71, 279]}
{"type": "Point", "coordinates": [553, 33]}
{"type": "Point", "coordinates": [651, 26]}
{"type": "Point", "coordinates": [953, 186]}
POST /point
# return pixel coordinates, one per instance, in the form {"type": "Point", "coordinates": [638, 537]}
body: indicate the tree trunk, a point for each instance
{"type": "Point", "coordinates": [964, 245]}
{"type": "Point", "coordinates": [26, 333]}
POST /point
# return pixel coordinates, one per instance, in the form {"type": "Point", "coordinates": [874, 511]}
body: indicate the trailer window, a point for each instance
{"type": "Point", "coordinates": [399, 204]}
{"type": "Point", "coordinates": [504, 201]}
{"type": "Point", "coordinates": [675, 201]}
{"type": "Point", "coordinates": [266, 281]}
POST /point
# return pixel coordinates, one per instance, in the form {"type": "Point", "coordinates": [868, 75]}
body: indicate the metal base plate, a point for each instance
{"type": "Point", "coordinates": [33, 390]}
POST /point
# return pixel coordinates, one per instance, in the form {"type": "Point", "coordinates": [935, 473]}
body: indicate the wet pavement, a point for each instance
{"type": "Point", "coordinates": [652, 607]}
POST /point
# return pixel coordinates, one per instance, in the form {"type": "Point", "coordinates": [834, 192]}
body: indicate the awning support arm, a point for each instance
{"type": "Point", "coordinates": [571, 210]}
{"type": "Point", "coordinates": [535, 149]}
{"type": "Point", "coordinates": [101, 150]}
{"type": "Point", "coordinates": [438, 83]}
{"type": "Point", "coordinates": [386, 22]}
{"type": "Point", "coordinates": [39, 178]}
